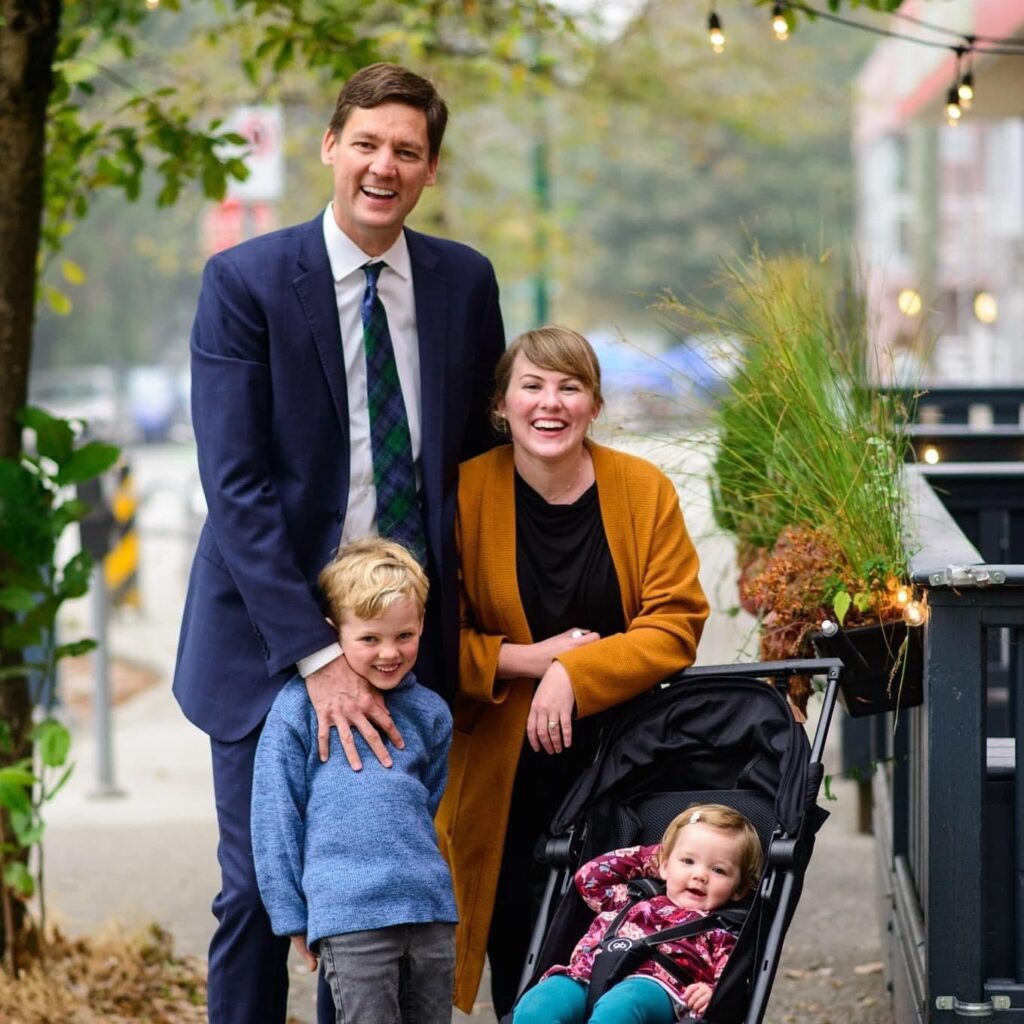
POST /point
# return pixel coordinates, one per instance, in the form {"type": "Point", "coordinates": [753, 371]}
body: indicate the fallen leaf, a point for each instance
{"type": "Point", "coordinates": [874, 967]}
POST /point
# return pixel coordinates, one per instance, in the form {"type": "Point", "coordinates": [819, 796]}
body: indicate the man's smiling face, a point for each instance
{"type": "Point", "coordinates": [381, 164]}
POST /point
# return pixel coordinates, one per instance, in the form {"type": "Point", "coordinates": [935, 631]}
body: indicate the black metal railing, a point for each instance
{"type": "Point", "coordinates": [976, 406]}
{"type": "Point", "coordinates": [948, 802]}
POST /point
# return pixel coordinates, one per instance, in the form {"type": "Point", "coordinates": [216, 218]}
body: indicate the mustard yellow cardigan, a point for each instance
{"type": "Point", "coordinates": [665, 609]}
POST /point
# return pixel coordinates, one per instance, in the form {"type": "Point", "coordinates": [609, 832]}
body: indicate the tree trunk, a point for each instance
{"type": "Point", "coordinates": [28, 41]}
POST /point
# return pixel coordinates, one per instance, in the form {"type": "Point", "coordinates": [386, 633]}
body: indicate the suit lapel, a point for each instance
{"type": "Point", "coordinates": [314, 287]}
{"type": "Point", "coordinates": [430, 289]}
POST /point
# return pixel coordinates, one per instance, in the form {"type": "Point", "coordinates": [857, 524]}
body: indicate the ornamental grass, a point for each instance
{"type": "Point", "coordinates": [807, 466]}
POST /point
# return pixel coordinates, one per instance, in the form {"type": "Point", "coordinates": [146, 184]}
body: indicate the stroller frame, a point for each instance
{"type": "Point", "coordinates": [787, 849]}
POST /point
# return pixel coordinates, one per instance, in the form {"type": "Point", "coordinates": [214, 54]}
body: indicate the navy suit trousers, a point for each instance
{"type": "Point", "coordinates": [248, 964]}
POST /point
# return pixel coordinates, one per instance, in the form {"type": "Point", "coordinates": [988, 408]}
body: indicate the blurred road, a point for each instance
{"type": "Point", "coordinates": [150, 854]}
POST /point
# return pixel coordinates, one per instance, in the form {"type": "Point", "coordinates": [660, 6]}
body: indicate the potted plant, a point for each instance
{"type": "Point", "coordinates": [806, 474]}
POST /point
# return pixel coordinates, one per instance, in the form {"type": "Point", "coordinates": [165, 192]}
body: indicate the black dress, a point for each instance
{"type": "Point", "coordinates": [566, 579]}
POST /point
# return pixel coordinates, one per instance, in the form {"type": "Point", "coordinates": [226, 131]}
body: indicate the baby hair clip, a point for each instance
{"type": "Point", "coordinates": [695, 817]}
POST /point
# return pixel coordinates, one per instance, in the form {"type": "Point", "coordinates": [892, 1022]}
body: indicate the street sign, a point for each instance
{"type": "Point", "coordinates": [263, 127]}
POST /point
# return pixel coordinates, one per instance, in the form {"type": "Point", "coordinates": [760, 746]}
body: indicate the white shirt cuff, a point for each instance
{"type": "Point", "coordinates": [312, 662]}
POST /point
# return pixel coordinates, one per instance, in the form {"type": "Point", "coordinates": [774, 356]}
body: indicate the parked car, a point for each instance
{"type": "Point", "coordinates": [90, 394]}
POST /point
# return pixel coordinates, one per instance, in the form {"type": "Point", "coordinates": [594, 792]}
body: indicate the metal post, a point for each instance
{"type": "Point", "coordinates": [952, 895]}
{"type": "Point", "coordinates": [101, 710]}
{"type": "Point", "coordinates": [1017, 710]}
{"type": "Point", "coordinates": [540, 153]}
{"type": "Point", "coordinates": [924, 161]}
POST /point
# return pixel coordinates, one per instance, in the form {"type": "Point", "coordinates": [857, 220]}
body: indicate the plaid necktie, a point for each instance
{"type": "Point", "coordinates": [398, 509]}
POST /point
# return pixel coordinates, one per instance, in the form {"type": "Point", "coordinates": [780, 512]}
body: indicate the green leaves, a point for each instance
{"type": "Point", "coordinates": [76, 648]}
{"type": "Point", "coordinates": [17, 599]}
{"type": "Point", "coordinates": [54, 437]}
{"type": "Point", "coordinates": [18, 877]}
{"type": "Point", "coordinates": [53, 742]}
{"type": "Point", "coordinates": [841, 605]}
{"type": "Point", "coordinates": [87, 462]}
{"type": "Point", "coordinates": [36, 506]}
{"type": "Point", "coordinates": [24, 789]}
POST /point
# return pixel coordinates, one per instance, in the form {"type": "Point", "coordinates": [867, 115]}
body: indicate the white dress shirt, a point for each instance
{"type": "Point", "coordinates": [395, 289]}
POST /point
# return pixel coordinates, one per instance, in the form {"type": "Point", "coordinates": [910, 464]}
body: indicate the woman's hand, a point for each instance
{"type": "Point", "coordinates": [531, 661]}
{"type": "Point", "coordinates": [549, 725]}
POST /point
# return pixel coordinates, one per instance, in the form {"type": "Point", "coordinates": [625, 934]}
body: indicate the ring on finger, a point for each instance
{"type": "Point", "coordinates": [554, 724]}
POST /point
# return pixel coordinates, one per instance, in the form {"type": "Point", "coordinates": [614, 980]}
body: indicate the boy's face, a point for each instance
{"type": "Point", "coordinates": [702, 870]}
{"type": "Point", "coordinates": [383, 650]}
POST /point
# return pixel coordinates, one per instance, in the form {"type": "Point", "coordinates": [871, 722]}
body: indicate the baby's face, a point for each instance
{"type": "Point", "coordinates": [702, 870]}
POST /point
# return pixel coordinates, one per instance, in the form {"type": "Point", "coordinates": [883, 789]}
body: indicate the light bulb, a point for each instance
{"type": "Point", "coordinates": [903, 595]}
{"type": "Point", "coordinates": [931, 455]}
{"type": "Point", "coordinates": [953, 111]}
{"type": "Point", "coordinates": [965, 90]}
{"type": "Point", "coordinates": [152, 4]}
{"type": "Point", "coordinates": [715, 34]}
{"type": "Point", "coordinates": [779, 24]}
{"type": "Point", "coordinates": [913, 614]}
{"type": "Point", "coordinates": [909, 302]}
{"type": "Point", "coordinates": [986, 308]}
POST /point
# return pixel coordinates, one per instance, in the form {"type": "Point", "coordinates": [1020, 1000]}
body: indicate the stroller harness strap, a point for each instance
{"type": "Point", "coordinates": [618, 957]}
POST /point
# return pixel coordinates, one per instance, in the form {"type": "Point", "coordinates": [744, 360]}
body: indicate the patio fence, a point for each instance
{"type": "Point", "coordinates": [947, 802]}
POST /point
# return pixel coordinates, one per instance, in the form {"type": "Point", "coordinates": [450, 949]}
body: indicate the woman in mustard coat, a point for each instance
{"type": "Point", "coordinates": [579, 590]}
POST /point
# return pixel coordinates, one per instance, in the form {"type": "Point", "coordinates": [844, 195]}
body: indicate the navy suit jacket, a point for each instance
{"type": "Point", "coordinates": [270, 411]}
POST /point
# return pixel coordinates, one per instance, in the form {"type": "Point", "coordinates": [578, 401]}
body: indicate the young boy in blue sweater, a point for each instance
{"type": "Point", "coordinates": [347, 862]}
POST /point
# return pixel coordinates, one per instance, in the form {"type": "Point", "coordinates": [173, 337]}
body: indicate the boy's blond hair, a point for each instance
{"type": "Point", "coordinates": [728, 820]}
{"type": "Point", "coordinates": [368, 576]}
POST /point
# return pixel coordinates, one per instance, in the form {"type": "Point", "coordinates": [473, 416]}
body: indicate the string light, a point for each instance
{"type": "Point", "coordinates": [953, 111]}
{"type": "Point", "coordinates": [986, 308]}
{"type": "Point", "coordinates": [931, 455]}
{"type": "Point", "coordinates": [780, 26]}
{"type": "Point", "coordinates": [965, 87]}
{"type": "Point", "coordinates": [962, 94]}
{"type": "Point", "coordinates": [965, 90]}
{"type": "Point", "coordinates": [903, 594]}
{"type": "Point", "coordinates": [914, 613]}
{"type": "Point", "coordinates": [909, 302]}
{"type": "Point", "coordinates": [152, 4]}
{"type": "Point", "coordinates": [715, 34]}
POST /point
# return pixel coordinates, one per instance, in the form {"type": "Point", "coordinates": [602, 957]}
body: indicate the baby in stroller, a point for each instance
{"type": "Point", "coordinates": [653, 953]}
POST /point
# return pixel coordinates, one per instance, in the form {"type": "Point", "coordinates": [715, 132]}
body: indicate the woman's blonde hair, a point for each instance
{"type": "Point", "coordinates": [551, 348]}
{"type": "Point", "coordinates": [368, 576]}
{"type": "Point", "coordinates": [728, 820]}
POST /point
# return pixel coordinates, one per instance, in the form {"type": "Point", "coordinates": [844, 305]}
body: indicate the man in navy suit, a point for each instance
{"type": "Point", "coordinates": [280, 409]}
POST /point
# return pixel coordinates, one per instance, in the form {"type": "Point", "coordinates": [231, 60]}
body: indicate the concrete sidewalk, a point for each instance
{"type": "Point", "coordinates": [150, 854]}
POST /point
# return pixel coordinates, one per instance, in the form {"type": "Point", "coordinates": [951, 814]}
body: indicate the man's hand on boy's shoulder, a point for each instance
{"type": "Point", "coordinates": [344, 700]}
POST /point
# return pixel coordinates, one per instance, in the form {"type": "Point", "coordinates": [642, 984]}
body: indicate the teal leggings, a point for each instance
{"type": "Point", "coordinates": [563, 1000]}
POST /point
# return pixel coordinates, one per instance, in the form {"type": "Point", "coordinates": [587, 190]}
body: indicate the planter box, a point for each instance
{"type": "Point", "coordinates": [873, 682]}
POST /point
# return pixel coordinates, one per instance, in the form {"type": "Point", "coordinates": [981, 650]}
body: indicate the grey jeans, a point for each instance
{"type": "Point", "coordinates": [399, 975]}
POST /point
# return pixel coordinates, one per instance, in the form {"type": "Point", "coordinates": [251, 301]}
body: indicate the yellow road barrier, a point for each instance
{"type": "Point", "coordinates": [121, 566]}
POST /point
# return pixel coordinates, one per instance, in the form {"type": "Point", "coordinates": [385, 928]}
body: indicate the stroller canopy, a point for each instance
{"type": "Point", "coordinates": [727, 733]}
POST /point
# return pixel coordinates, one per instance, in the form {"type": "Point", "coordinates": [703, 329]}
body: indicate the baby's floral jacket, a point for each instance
{"type": "Point", "coordinates": [602, 884]}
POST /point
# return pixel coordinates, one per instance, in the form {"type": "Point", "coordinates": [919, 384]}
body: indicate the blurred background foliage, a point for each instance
{"type": "Point", "coordinates": [660, 158]}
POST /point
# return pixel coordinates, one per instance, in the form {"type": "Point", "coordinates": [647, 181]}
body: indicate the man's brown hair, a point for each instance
{"type": "Point", "coordinates": [391, 83]}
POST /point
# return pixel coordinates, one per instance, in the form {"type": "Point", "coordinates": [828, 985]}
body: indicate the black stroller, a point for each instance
{"type": "Point", "coordinates": [717, 734]}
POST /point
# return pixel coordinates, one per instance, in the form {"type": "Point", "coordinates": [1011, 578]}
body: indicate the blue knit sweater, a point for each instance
{"type": "Point", "coordinates": [340, 851]}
